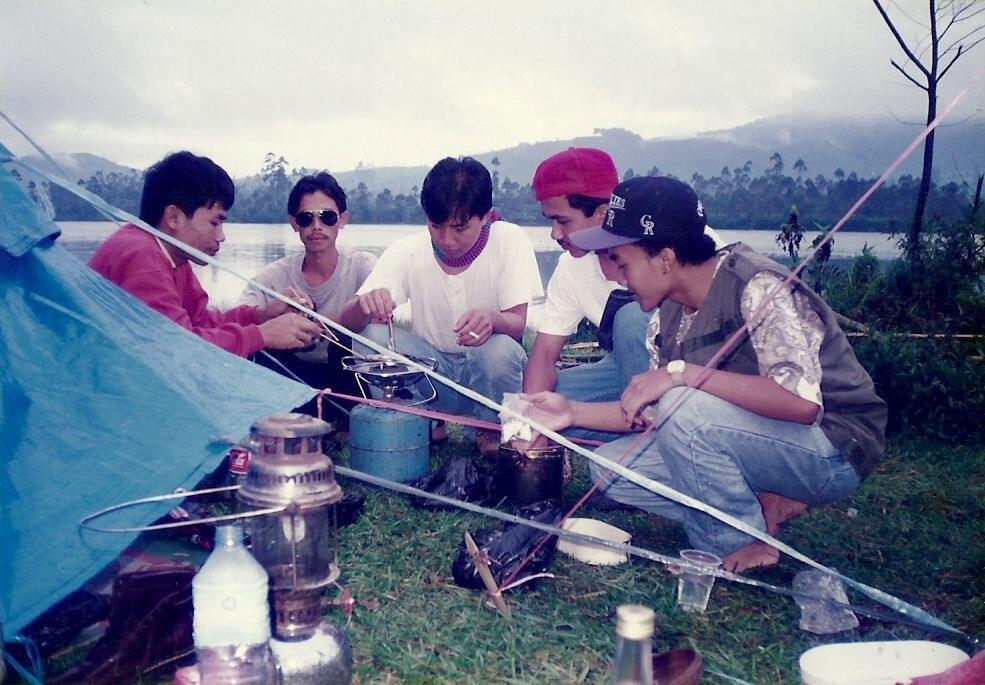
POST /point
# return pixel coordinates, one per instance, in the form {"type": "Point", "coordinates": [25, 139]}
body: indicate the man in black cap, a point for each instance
{"type": "Point", "coordinates": [787, 418]}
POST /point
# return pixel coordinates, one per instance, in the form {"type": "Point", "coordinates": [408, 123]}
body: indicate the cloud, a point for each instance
{"type": "Point", "coordinates": [333, 84]}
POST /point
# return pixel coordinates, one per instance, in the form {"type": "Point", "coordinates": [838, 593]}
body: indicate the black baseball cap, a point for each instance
{"type": "Point", "coordinates": [655, 208]}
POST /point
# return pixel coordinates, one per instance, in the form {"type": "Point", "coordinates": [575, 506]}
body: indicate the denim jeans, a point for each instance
{"type": "Point", "coordinates": [723, 455]}
{"type": "Point", "coordinates": [605, 380]}
{"type": "Point", "coordinates": [491, 369]}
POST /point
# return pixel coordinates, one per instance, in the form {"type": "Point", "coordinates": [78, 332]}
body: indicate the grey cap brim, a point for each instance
{"type": "Point", "coordinates": [598, 238]}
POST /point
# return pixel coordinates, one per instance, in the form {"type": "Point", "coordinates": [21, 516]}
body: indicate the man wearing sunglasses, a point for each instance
{"type": "Point", "coordinates": [324, 275]}
{"type": "Point", "coordinates": [469, 280]}
{"type": "Point", "coordinates": [188, 197]}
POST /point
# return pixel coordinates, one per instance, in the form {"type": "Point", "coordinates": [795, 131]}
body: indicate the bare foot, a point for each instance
{"type": "Point", "coordinates": [754, 555]}
{"type": "Point", "coordinates": [778, 509]}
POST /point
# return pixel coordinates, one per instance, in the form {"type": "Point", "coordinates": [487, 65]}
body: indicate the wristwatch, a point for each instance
{"type": "Point", "coordinates": [676, 371]}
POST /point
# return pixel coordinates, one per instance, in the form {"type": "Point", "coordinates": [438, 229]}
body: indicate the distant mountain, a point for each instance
{"type": "Point", "coordinates": [397, 179]}
{"type": "Point", "coordinates": [78, 166]}
{"type": "Point", "coordinates": [865, 147]}
{"type": "Point", "coordinates": [825, 145]}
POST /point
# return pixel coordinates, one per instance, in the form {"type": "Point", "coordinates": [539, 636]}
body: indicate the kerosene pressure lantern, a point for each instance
{"type": "Point", "coordinates": [296, 546]}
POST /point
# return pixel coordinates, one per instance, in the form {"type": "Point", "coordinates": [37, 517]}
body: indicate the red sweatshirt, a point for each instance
{"type": "Point", "coordinates": [137, 262]}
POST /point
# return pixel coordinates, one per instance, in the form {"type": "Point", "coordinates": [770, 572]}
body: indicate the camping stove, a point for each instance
{"type": "Point", "coordinates": [391, 376]}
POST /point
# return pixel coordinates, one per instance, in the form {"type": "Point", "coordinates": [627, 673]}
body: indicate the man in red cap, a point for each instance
{"type": "Point", "coordinates": [573, 188]}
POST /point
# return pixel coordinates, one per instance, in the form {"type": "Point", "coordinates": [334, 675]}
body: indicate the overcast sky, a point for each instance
{"type": "Point", "coordinates": [332, 84]}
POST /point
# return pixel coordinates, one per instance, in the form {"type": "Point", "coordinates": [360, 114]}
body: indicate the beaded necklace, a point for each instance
{"type": "Point", "coordinates": [469, 256]}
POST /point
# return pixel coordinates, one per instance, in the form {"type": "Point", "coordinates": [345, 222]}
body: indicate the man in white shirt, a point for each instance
{"type": "Point", "coordinates": [469, 280]}
{"type": "Point", "coordinates": [573, 188]}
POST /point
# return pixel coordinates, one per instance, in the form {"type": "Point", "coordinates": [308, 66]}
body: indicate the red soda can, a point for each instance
{"type": "Point", "coordinates": [239, 463]}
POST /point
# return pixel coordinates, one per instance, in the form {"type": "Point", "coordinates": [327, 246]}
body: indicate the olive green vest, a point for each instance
{"type": "Point", "coordinates": [854, 417]}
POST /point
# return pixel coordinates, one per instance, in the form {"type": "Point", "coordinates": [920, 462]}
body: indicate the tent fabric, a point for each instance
{"type": "Point", "coordinates": [103, 400]}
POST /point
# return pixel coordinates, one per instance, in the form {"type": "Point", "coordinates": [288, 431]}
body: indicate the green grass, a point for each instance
{"type": "Point", "coordinates": [914, 529]}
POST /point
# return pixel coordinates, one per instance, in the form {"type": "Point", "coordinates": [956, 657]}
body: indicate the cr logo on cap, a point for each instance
{"type": "Point", "coordinates": [647, 223]}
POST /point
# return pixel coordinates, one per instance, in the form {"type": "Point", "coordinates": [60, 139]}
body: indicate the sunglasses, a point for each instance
{"type": "Point", "coordinates": [329, 217]}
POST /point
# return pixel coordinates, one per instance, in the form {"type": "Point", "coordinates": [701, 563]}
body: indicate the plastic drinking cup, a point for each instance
{"type": "Point", "coordinates": [694, 586]}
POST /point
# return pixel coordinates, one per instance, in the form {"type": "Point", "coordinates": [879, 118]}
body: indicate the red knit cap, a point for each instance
{"type": "Point", "coordinates": [576, 171]}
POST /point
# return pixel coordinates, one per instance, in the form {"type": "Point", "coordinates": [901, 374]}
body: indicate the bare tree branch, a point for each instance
{"type": "Point", "coordinates": [902, 43]}
{"type": "Point", "coordinates": [908, 77]}
{"type": "Point", "coordinates": [902, 10]}
{"type": "Point", "coordinates": [961, 50]}
{"type": "Point", "coordinates": [967, 35]}
{"type": "Point", "coordinates": [962, 39]}
{"type": "Point", "coordinates": [943, 53]}
{"type": "Point", "coordinates": [969, 11]}
{"type": "Point", "coordinates": [950, 64]}
{"type": "Point", "coordinates": [961, 15]}
{"type": "Point", "coordinates": [951, 22]}
{"type": "Point", "coordinates": [974, 44]}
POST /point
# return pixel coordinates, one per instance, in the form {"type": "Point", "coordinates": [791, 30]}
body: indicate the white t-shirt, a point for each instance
{"type": "Point", "coordinates": [504, 275]}
{"type": "Point", "coordinates": [329, 298]}
{"type": "Point", "coordinates": [579, 290]}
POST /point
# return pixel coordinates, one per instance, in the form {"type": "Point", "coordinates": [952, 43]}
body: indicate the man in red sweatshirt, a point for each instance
{"type": "Point", "coordinates": [188, 197]}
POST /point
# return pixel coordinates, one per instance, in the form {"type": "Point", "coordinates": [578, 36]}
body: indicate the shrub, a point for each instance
{"type": "Point", "coordinates": [934, 384]}
{"type": "Point", "coordinates": [933, 387]}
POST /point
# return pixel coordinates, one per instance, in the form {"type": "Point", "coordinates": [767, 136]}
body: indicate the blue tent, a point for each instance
{"type": "Point", "coordinates": [102, 400]}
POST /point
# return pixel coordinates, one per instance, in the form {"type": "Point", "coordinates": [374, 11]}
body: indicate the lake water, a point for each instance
{"type": "Point", "coordinates": [248, 247]}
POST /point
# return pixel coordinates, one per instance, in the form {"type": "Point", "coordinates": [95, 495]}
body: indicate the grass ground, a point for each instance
{"type": "Point", "coordinates": [915, 529]}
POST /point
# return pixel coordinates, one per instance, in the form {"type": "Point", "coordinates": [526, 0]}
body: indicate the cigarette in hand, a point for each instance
{"type": "Point", "coordinates": [473, 334]}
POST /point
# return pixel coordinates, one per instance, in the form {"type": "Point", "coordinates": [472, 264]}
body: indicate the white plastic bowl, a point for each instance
{"type": "Point", "coordinates": [876, 663]}
{"type": "Point", "coordinates": [594, 554]}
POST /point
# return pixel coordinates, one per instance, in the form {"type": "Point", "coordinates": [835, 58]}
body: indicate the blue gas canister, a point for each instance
{"type": "Point", "coordinates": [389, 444]}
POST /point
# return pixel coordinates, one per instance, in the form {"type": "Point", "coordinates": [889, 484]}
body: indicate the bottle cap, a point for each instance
{"type": "Point", "coordinates": [634, 621]}
{"type": "Point", "coordinates": [228, 535]}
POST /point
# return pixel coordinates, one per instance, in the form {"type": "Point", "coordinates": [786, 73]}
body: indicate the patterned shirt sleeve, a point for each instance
{"type": "Point", "coordinates": [786, 335]}
{"type": "Point", "coordinates": [652, 331]}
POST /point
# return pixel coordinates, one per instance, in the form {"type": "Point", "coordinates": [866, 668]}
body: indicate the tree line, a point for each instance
{"type": "Point", "coordinates": [733, 199]}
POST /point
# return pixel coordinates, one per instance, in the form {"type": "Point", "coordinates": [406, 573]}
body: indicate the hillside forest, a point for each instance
{"type": "Point", "coordinates": [734, 198]}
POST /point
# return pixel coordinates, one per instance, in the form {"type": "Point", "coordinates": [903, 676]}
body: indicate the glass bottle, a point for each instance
{"type": "Point", "coordinates": [634, 661]}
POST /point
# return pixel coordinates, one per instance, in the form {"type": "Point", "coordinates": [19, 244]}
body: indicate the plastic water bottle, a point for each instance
{"type": "Point", "coordinates": [232, 618]}
{"type": "Point", "coordinates": [634, 660]}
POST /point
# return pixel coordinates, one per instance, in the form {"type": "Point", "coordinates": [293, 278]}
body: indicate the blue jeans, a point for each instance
{"type": "Point", "coordinates": [605, 380]}
{"type": "Point", "coordinates": [723, 455]}
{"type": "Point", "coordinates": [492, 369]}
